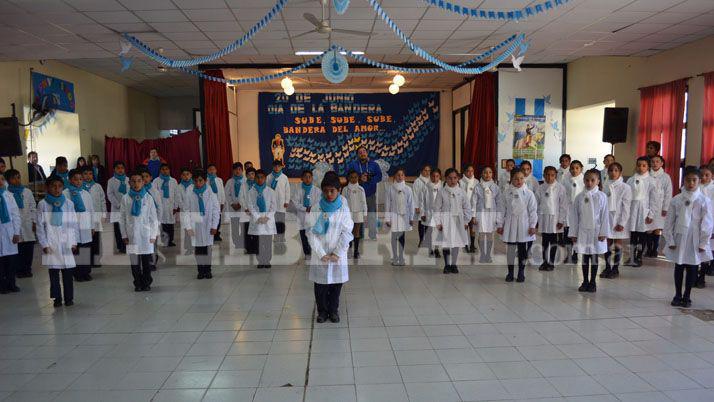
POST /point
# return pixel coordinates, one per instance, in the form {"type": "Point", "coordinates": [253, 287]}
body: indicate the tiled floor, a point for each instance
{"type": "Point", "coordinates": [407, 334]}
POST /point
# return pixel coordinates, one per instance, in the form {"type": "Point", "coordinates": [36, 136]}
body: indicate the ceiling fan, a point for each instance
{"type": "Point", "coordinates": [322, 25]}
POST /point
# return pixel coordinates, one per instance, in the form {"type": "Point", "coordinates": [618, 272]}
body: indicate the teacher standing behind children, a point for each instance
{"type": "Point", "coordinates": [369, 176]}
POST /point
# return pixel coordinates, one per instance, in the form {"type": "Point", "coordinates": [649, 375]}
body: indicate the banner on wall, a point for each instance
{"type": "Point", "coordinates": [307, 128]}
{"type": "Point", "coordinates": [53, 93]}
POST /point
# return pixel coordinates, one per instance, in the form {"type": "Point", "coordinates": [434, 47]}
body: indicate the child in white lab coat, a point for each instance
{"type": "Point", "coordinates": [504, 176]}
{"type": "Point", "coordinates": [184, 188]}
{"type": "Point", "coordinates": [552, 215]}
{"type": "Point", "coordinates": [427, 211]}
{"type": "Point", "coordinates": [517, 223]}
{"type": "Point", "coordinates": [167, 189]}
{"type": "Point", "coordinates": [100, 210]}
{"type": "Point", "coordinates": [485, 201]}
{"type": "Point", "coordinates": [531, 181]}
{"type": "Point", "coordinates": [28, 216]}
{"type": "Point", "coordinates": [574, 185]}
{"type": "Point", "coordinates": [278, 182]}
{"type": "Point", "coordinates": [564, 170]}
{"type": "Point", "coordinates": [619, 200]}
{"type": "Point", "coordinates": [706, 173]}
{"type": "Point", "coordinates": [468, 183]}
{"type": "Point", "coordinates": [10, 236]}
{"type": "Point", "coordinates": [155, 195]}
{"type": "Point", "coordinates": [84, 209]}
{"type": "Point", "coordinates": [452, 214]}
{"type": "Point", "coordinates": [687, 232]}
{"type": "Point", "coordinates": [139, 226]}
{"type": "Point", "coordinates": [357, 202]}
{"type": "Point", "coordinates": [262, 204]}
{"type": "Point", "coordinates": [234, 205]}
{"type": "Point", "coordinates": [329, 238]}
{"type": "Point", "coordinates": [589, 220]}
{"type": "Point", "coordinates": [216, 185]}
{"type": "Point", "coordinates": [607, 160]}
{"type": "Point", "coordinates": [200, 217]}
{"type": "Point", "coordinates": [306, 196]}
{"type": "Point", "coordinates": [664, 197]}
{"type": "Point", "coordinates": [418, 189]}
{"type": "Point", "coordinates": [251, 241]}
{"type": "Point", "coordinates": [398, 214]}
{"type": "Point", "coordinates": [117, 186]}
{"type": "Point", "coordinates": [642, 208]}
{"type": "Point", "coordinates": [57, 233]}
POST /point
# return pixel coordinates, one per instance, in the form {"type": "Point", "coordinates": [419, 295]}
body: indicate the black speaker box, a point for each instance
{"type": "Point", "coordinates": [10, 137]}
{"type": "Point", "coordinates": [614, 129]}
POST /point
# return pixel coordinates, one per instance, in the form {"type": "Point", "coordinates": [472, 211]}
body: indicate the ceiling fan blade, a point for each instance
{"type": "Point", "coordinates": [351, 32]}
{"type": "Point", "coordinates": [312, 19]}
{"type": "Point", "coordinates": [303, 34]}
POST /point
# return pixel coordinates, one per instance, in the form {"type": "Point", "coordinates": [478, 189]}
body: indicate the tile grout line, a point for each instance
{"type": "Point", "coordinates": [309, 355]}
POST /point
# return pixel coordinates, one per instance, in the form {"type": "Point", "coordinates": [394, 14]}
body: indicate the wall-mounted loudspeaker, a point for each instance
{"type": "Point", "coordinates": [614, 129]}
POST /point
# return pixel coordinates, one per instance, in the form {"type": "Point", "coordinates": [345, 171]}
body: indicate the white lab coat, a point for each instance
{"type": "Point", "coordinates": [604, 177]}
{"type": "Point", "coordinates": [167, 204]}
{"type": "Point", "coordinates": [589, 219]}
{"type": "Point", "coordinates": [155, 194]}
{"type": "Point", "coordinates": [573, 187]}
{"type": "Point", "coordinates": [689, 227]}
{"type": "Point", "coordinates": [708, 191]}
{"type": "Point", "coordinates": [140, 230]}
{"type": "Point", "coordinates": [418, 189]}
{"type": "Point", "coordinates": [86, 219]}
{"type": "Point", "coordinates": [271, 198]}
{"type": "Point", "coordinates": [504, 180]}
{"type": "Point", "coordinates": [485, 202]}
{"type": "Point", "coordinates": [28, 214]}
{"type": "Point", "coordinates": [644, 196]}
{"type": "Point", "coordinates": [552, 207]}
{"type": "Point", "coordinates": [663, 185]}
{"type": "Point", "coordinates": [181, 194]}
{"type": "Point", "coordinates": [519, 213]}
{"type": "Point", "coordinates": [11, 228]}
{"type": "Point", "coordinates": [428, 199]}
{"type": "Point", "coordinates": [336, 241]}
{"type": "Point", "coordinates": [233, 198]}
{"type": "Point", "coordinates": [220, 190]}
{"type": "Point", "coordinates": [244, 202]}
{"type": "Point", "coordinates": [399, 207]}
{"type": "Point", "coordinates": [282, 191]}
{"type": "Point", "coordinates": [356, 200]}
{"type": "Point", "coordinates": [619, 200]}
{"type": "Point", "coordinates": [201, 225]}
{"type": "Point", "coordinates": [532, 183]}
{"type": "Point", "coordinates": [59, 239]}
{"type": "Point", "coordinates": [100, 205]}
{"type": "Point", "coordinates": [115, 197]}
{"type": "Point", "coordinates": [301, 211]}
{"type": "Point", "coordinates": [564, 175]}
{"type": "Point", "coordinates": [469, 185]}
{"type": "Point", "coordinates": [452, 210]}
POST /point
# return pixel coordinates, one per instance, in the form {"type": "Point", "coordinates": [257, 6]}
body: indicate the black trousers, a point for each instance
{"type": "Point", "coordinates": [251, 241]}
{"type": "Point", "coordinates": [638, 241]}
{"type": "Point", "coordinates": [67, 284]}
{"type": "Point", "coordinates": [96, 248]}
{"type": "Point", "coordinates": [590, 262]}
{"type": "Point", "coordinates": [422, 231]}
{"type": "Point", "coordinates": [451, 255]}
{"type": "Point", "coordinates": [280, 222]}
{"type": "Point", "coordinates": [238, 233]}
{"type": "Point", "coordinates": [327, 298]}
{"type": "Point", "coordinates": [203, 259]}
{"type": "Point", "coordinates": [169, 229]}
{"type": "Point", "coordinates": [83, 259]}
{"type": "Point", "coordinates": [689, 281]}
{"type": "Point", "coordinates": [550, 248]}
{"type": "Point", "coordinates": [305, 244]}
{"type": "Point", "coordinates": [519, 250]}
{"type": "Point", "coordinates": [7, 272]}
{"type": "Point", "coordinates": [141, 269]}
{"type": "Point", "coordinates": [121, 247]}
{"type": "Point", "coordinates": [25, 252]}
{"type": "Point", "coordinates": [218, 229]}
{"type": "Point", "coordinates": [265, 249]}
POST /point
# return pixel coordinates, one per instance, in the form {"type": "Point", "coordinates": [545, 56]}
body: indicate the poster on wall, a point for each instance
{"type": "Point", "coordinates": [530, 117]}
{"type": "Point", "coordinates": [307, 128]}
{"type": "Point", "coordinates": [52, 93]}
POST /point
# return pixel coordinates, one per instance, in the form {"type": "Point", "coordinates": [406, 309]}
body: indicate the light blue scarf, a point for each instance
{"type": "Point", "coordinates": [260, 200]}
{"type": "Point", "coordinates": [4, 210]}
{"type": "Point", "coordinates": [17, 193]}
{"type": "Point", "coordinates": [307, 189]}
{"type": "Point", "coordinates": [56, 204]}
{"type": "Point", "coordinates": [87, 185]}
{"type": "Point", "coordinates": [64, 176]}
{"type": "Point", "coordinates": [237, 182]}
{"type": "Point", "coordinates": [199, 193]}
{"type": "Point", "coordinates": [186, 183]}
{"type": "Point", "coordinates": [274, 182]}
{"type": "Point", "coordinates": [323, 220]}
{"type": "Point", "coordinates": [75, 194]}
{"type": "Point", "coordinates": [122, 182]}
{"type": "Point", "coordinates": [165, 185]}
{"type": "Point", "coordinates": [136, 197]}
{"type": "Point", "coordinates": [212, 181]}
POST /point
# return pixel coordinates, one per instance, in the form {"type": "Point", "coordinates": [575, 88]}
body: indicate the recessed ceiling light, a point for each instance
{"type": "Point", "coordinates": [318, 52]}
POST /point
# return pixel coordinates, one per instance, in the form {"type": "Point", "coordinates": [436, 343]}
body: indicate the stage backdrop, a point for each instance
{"type": "Point", "coordinates": [306, 128]}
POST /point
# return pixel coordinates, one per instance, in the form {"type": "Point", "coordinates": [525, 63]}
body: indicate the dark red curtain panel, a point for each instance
{"type": "Point", "coordinates": [481, 139]}
{"type": "Point", "coordinates": [218, 136]}
{"type": "Point", "coordinates": [708, 119]}
{"type": "Point", "coordinates": [179, 151]}
{"type": "Point", "coordinates": [662, 119]}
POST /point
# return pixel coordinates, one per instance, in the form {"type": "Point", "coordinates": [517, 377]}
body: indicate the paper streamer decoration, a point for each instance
{"type": "Point", "coordinates": [512, 15]}
{"type": "Point", "coordinates": [340, 5]}
{"type": "Point", "coordinates": [334, 67]}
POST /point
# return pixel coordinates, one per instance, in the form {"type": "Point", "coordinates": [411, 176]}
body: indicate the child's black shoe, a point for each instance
{"type": "Point", "coordinates": [334, 317]}
{"type": "Point", "coordinates": [320, 319]}
{"type": "Point", "coordinates": [686, 303]}
{"type": "Point", "coordinates": [676, 302]}
{"type": "Point", "coordinates": [583, 287]}
{"type": "Point", "coordinates": [57, 303]}
{"type": "Point", "coordinates": [69, 303]}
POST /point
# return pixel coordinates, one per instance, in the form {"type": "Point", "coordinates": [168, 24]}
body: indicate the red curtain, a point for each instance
{"type": "Point", "coordinates": [708, 119]}
{"type": "Point", "coordinates": [218, 136]}
{"type": "Point", "coordinates": [179, 151]}
{"type": "Point", "coordinates": [662, 120]}
{"type": "Point", "coordinates": [481, 139]}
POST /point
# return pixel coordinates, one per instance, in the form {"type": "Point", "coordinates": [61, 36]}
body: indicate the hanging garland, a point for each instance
{"type": "Point", "coordinates": [513, 15]}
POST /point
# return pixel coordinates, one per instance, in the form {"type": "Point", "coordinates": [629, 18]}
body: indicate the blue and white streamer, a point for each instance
{"type": "Point", "coordinates": [340, 6]}
{"type": "Point", "coordinates": [512, 15]}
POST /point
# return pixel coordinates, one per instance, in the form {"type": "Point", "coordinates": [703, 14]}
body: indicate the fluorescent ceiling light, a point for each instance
{"type": "Point", "coordinates": [318, 52]}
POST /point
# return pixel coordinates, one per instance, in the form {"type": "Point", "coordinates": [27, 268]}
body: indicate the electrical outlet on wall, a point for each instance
{"type": "Point", "coordinates": [592, 161]}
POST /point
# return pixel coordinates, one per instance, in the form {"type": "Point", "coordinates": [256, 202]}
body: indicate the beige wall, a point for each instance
{"type": "Point", "coordinates": [246, 135]}
{"type": "Point", "coordinates": [596, 80]}
{"type": "Point", "coordinates": [177, 112]}
{"type": "Point", "coordinates": [103, 107]}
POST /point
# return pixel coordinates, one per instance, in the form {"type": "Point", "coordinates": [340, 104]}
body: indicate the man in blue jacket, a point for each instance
{"type": "Point", "coordinates": [370, 175]}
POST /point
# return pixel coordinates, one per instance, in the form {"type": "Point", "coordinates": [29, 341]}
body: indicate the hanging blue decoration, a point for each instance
{"type": "Point", "coordinates": [507, 15]}
{"type": "Point", "coordinates": [126, 62]}
{"type": "Point", "coordinates": [334, 67]}
{"type": "Point", "coordinates": [340, 5]}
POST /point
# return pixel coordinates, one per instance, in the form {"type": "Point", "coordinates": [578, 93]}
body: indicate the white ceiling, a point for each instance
{"type": "Point", "coordinates": [83, 33]}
